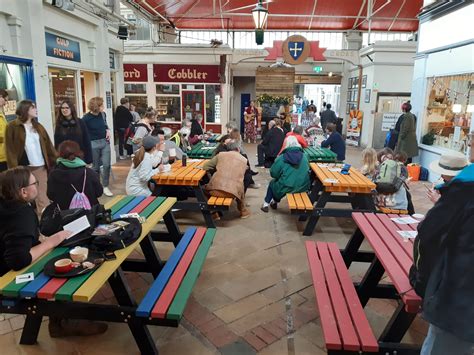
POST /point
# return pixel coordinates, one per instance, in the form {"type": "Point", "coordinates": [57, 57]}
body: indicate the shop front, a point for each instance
{"type": "Point", "coordinates": [443, 81]}
{"type": "Point", "coordinates": [16, 77]}
{"type": "Point", "coordinates": [177, 92]}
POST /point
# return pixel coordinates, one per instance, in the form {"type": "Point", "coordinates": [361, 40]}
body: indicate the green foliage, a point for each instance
{"type": "Point", "coordinates": [428, 138]}
{"type": "Point", "coordinates": [278, 100]}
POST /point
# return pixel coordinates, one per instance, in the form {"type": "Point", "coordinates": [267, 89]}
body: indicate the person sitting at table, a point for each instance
{"type": "Point", "coordinates": [20, 243]}
{"type": "Point", "coordinates": [145, 164]}
{"type": "Point", "coordinates": [267, 151]}
{"type": "Point", "coordinates": [298, 133]}
{"type": "Point", "coordinates": [71, 175]}
{"type": "Point", "coordinates": [172, 151]}
{"type": "Point", "coordinates": [227, 181]}
{"type": "Point", "coordinates": [369, 163]}
{"type": "Point", "coordinates": [335, 142]}
{"type": "Point", "coordinates": [442, 260]}
{"type": "Point", "coordinates": [290, 174]}
{"type": "Point", "coordinates": [196, 133]}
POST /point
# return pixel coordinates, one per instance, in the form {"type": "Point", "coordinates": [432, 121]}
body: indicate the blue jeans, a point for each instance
{"type": "Point", "coordinates": [269, 196]}
{"type": "Point", "coordinates": [440, 342]}
{"type": "Point", "coordinates": [101, 156]}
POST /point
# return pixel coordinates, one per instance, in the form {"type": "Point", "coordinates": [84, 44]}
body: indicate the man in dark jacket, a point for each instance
{"type": "Point", "coordinates": [335, 142]}
{"type": "Point", "coordinates": [123, 118]}
{"type": "Point", "coordinates": [328, 116]}
{"type": "Point", "coordinates": [442, 272]}
{"type": "Point", "coordinates": [271, 144]}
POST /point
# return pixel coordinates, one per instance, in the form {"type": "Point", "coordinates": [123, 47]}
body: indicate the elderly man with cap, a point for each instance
{"type": "Point", "coordinates": [442, 259]}
{"type": "Point", "coordinates": [268, 150]}
{"type": "Point", "coordinates": [145, 164]}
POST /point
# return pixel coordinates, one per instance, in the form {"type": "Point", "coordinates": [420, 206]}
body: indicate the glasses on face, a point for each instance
{"type": "Point", "coordinates": [33, 183]}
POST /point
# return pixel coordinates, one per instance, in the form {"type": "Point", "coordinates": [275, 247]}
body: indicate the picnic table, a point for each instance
{"type": "Point", "coordinates": [392, 254]}
{"type": "Point", "coordinates": [163, 305]}
{"type": "Point", "coordinates": [190, 178]}
{"type": "Point", "coordinates": [214, 137]}
{"type": "Point", "coordinates": [318, 154]}
{"type": "Point", "coordinates": [202, 150]}
{"type": "Point", "coordinates": [332, 186]}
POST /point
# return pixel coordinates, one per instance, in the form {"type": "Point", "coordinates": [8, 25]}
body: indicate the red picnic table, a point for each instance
{"type": "Point", "coordinates": [392, 254]}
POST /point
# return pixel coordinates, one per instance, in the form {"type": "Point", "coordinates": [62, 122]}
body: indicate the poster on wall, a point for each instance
{"type": "Point", "coordinates": [354, 127]}
{"type": "Point", "coordinates": [389, 120]}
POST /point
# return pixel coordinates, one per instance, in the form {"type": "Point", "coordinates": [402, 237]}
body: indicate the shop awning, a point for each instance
{"type": "Point", "coordinates": [292, 15]}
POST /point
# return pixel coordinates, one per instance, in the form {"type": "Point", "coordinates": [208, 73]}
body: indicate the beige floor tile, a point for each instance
{"type": "Point", "coordinates": [212, 299]}
{"type": "Point", "coordinates": [301, 345]}
{"type": "Point", "coordinates": [288, 287]}
{"type": "Point", "coordinates": [243, 307]}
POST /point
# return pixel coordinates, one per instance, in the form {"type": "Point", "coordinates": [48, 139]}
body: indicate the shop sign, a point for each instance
{"type": "Point", "coordinates": [389, 120]}
{"type": "Point", "coordinates": [347, 55]}
{"type": "Point", "coordinates": [135, 72]}
{"type": "Point", "coordinates": [62, 48]}
{"type": "Point", "coordinates": [170, 73]}
{"type": "Point", "coordinates": [295, 50]}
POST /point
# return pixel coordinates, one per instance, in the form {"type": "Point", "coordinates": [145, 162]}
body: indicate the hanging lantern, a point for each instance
{"type": "Point", "coordinates": [259, 14]}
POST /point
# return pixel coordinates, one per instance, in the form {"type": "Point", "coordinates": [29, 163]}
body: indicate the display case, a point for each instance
{"type": "Point", "coordinates": [168, 108]}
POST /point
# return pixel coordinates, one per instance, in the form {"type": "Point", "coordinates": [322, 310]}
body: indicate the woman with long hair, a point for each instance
{"type": "Point", "coordinates": [143, 128]}
{"type": "Point", "coordinates": [99, 134]}
{"type": "Point", "coordinates": [71, 175]}
{"type": "Point", "coordinates": [251, 123]}
{"type": "Point", "coordinates": [145, 164]}
{"type": "Point", "coordinates": [69, 127]}
{"type": "Point", "coordinates": [28, 144]}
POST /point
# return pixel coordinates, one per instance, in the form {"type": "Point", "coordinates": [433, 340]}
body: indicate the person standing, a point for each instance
{"type": "Point", "coordinates": [135, 114]}
{"type": "Point", "coordinates": [407, 134]}
{"type": "Point", "coordinates": [442, 260]}
{"type": "Point", "coordinates": [143, 128]}
{"type": "Point", "coordinates": [28, 144]}
{"type": "Point", "coordinates": [268, 150]}
{"type": "Point", "coordinates": [69, 127]}
{"type": "Point", "coordinates": [122, 120]}
{"type": "Point", "coordinates": [99, 134]}
{"type": "Point", "coordinates": [3, 129]}
{"type": "Point", "coordinates": [335, 142]}
{"type": "Point", "coordinates": [311, 107]}
{"type": "Point", "coordinates": [250, 118]}
{"type": "Point", "coordinates": [196, 133]}
{"type": "Point", "coordinates": [327, 116]}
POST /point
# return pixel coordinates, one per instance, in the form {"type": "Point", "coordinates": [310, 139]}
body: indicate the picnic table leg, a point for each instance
{"type": "Point", "coordinates": [158, 189]}
{"type": "Point", "coordinates": [314, 217]}
{"type": "Point", "coordinates": [124, 297]}
{"type": "Point", "coordinates": [352, 247]}
{"type": "Point", "coordinates": [29, 335]}
{"type": "Point", "coordinates": [370, 281]}
{"type": "Point", "coordinates": [173, 228]}
{"type": "Point", "coordinates": [205, 211]}
{"type": "Point", "coordinates": [313, 196]}
{"type": "Point", "coordinates": [151, 256]}
{"type": "Point", "coordinates": [398, 325]}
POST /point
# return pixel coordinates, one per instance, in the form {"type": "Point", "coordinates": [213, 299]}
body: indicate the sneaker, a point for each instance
{"type": "Point", "coordinates": [253, 173]}
{"type": "Point", "coordinates": [107, 192]}
{"type": "Point", "coordinates": [273, 205]}
{"type": "Point", "coordinates": [245, 214]}
{"type": "Point", "coordinates": [254, 186]}
{"type": "Point", "coordinates": [122, 157]}
{"type": "Point", "coordinates": [216, 216]}
{"type": "Point", "coordinates": [259, 166]}
{"type": "Point", "coordinates": [264, 209]}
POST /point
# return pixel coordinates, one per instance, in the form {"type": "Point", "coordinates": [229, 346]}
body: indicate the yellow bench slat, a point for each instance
{"type": "Point", "coordinates": [299, 201]}
{"type": "Point", "coordinates": [307, 202]}
{"type": "Point", "coordinates": [227, 201]}
{"type": "Point", "coordinates": [291, 201]}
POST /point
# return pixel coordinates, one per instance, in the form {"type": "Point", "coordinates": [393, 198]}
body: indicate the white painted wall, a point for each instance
{"type": "Point", "coordinates": [242, 85]}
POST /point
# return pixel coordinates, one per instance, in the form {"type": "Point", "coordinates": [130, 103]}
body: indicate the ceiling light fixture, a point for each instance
{"type": "Point", "coordinates": [260, 15]}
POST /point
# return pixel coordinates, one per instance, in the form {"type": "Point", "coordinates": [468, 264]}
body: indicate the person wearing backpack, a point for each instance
{"type": "Point", "coordinates": [71, 184]}
{"type": "Point", "coordinates": [389, 181]}
{"type": "Point", "coordinates": [142, 129]}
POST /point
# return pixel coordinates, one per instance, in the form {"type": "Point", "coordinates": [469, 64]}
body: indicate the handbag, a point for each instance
{"type": "Point", "coordinates": [118, 239]}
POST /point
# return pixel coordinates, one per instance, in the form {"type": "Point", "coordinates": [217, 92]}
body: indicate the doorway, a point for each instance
{"type": "Point", "coordinates": [320, 93]}
{"type": "Point", "coordinates": [193, 104]}
{"type": "Point", "coordinates": [89, 88]}
{"type": "Point", "coordinates": [244, 102]}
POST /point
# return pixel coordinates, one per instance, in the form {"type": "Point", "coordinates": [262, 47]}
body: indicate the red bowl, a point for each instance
{"type": "Point", "coordinates": [63, 265]}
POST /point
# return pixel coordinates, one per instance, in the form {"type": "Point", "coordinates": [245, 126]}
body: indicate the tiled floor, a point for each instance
{"type": "Point", "coordinates": [254, 294]}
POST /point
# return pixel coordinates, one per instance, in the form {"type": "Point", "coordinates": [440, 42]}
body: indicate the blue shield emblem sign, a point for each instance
{"type": "Point", "coordinates": [296, 49]}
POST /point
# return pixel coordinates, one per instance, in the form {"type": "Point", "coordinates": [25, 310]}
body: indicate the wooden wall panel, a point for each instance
{"type": "Point", "coordinates": [275, 81]}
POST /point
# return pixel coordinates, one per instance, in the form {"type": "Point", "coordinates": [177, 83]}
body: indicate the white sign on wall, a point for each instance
{"type": "Point", "coordinates": [389, 120]}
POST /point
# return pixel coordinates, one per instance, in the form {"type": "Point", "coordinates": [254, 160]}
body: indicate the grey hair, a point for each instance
{"type": "Point", "coordinates": [233, 145]}
{"type": "Point", "coordinates": [298, 130]}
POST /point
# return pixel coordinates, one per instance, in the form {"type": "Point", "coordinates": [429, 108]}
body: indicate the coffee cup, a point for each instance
{"type": "Point", "coordinates": [79, 254]}
{"type": "Point", "coordinates": [63, 265]}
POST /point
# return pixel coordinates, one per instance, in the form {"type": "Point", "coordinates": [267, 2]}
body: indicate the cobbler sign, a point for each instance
{"type": "Point", "coordinates": [170, 73]}
{"type": "Point", "coordinates": [63, 48]}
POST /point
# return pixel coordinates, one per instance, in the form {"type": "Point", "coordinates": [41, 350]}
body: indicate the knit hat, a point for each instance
{"type": "Point", "coordinates": [149, 142]}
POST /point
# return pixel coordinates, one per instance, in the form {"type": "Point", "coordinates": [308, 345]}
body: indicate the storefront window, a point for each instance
{"type": "Point", "coordinates": [213, 103]}
{"type": "Point", "coordinates": [168, 108]}
{"type": "Point", "coordinates": [140, 102]}
{"type": "Point", "coordinates": [448, 114]}
{"type": "Point", "coordinates": [167, 89]}
{"type": "Point", "coordinates": [135, 88]}
{"type": "Point", "coordinates": [12, 80]}
{"type": "Point", "coordinates": [63, 86]}
{"type": "Point", "coordinates": [193, 87]}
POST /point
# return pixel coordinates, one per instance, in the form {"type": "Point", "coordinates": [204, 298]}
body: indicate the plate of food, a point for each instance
{"type": "Point", "coordinates": [78, 261]}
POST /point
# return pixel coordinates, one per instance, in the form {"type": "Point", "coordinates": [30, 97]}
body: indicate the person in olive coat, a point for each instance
{"type": "Point", "coordinates": [407, 142]}
{"type": "Point", "coordinates": [290, 174]}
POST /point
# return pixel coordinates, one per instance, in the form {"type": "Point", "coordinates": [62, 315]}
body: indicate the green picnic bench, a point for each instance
{"type": "Point", "coordinates": [202, 151]}
{"type": "Point", "coordinates": [321, 155]}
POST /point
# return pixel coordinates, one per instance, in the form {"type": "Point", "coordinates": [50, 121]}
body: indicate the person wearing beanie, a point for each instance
{"type": "Point", "coordinates": [146, 163]}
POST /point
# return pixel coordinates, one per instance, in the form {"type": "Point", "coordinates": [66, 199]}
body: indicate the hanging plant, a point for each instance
{"type": "Point", "coordinates": [277, 100]}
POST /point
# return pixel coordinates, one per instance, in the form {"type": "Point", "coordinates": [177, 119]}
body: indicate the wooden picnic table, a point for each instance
{"type": "Point", "coordinates": [214, 137]}
{"type": "Point", "coordinates": [186, 181]}
{"type": "Point", "coordinates": [318, 154]}
{"type": "Point", "coordinates": [202, 151]}
{"type": "Point", "coordinates": [354, 188]}
{"type": "Point", "coordinates": [392, 254]}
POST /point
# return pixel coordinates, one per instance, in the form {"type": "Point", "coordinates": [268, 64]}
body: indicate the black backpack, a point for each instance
{"type": "Point", "coordinates": [130, 132]}
{"type": "Point", "coordinates": [118, 239]}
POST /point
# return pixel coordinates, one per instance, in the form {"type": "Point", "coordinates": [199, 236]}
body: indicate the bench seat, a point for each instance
{"type": "Point", "coordinates": [299, 203]}
{"type": "Point", "coordinates": [219, 203]}
{"type": "Point", "coordinates": [343, 321]}
{"type": "Point", "coordinates": [169, 293]}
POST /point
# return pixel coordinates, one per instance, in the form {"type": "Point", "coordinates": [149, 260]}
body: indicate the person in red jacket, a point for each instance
{"type": "Point", "coordinates": [298, 133]}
